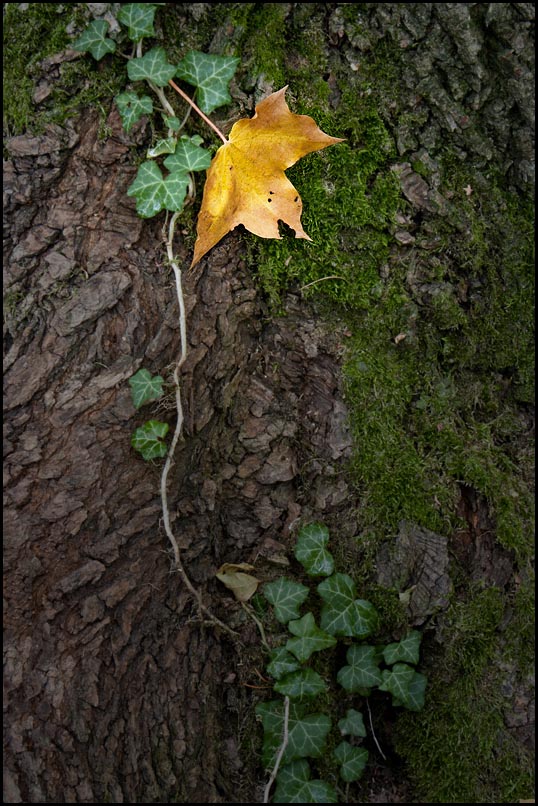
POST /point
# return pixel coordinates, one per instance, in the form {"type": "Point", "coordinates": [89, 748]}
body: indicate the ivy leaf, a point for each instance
{"type": "Point", "coordinates": [152, 66]}
{"type": "Point", "coordinates": [166, 146]}
{"type": "Point", "coordinates": [154, 193]}
{"type": "Point", "coordinates": [307, 734]}
{"type": "Point", "coordinates": [138, 17]}
{"type": "Point", "coordinates": [131, 108]}
{"type": "Point", "coordinates": [309, 638]}
{"type": "Point", "coordinates": [293, 785]}
{"type": "Point", "coordinates": [286, 596]}
{"type": "Point", "coordinates": [172, 123]}
{"type": "Point", "coordinates": [342, 614]}
{"type": "Point", "coordinates": [352, 760]}
{"type": "Point", "coordinates": [94, 40]}
{"type": "Point", "coordinates": [188, 156]}
{"type": "Point", "coordinates": [352, 724]}
{"type": "Point", "coordinates": [148, 439]}
{"type": "Point", "coordinates": [416, 693]}
{"type": "Point", "coordinates": [282, 662]}
{"type": "Point", "coordinates": [175, 190]}
{"type": "Point", "coordinates": [362, 671]}
{"type": "Point", "coordinates": [406, 686]}
{"type": "Point", "coordinates": [311, 552]}
{"type": "Point", "coordinates": [406, 650]}
{"type": "Point", "coordinates": [300, 684]}
{"type": "Point", "coordinates": [145, 387]}
{"type": "Point", "coordinates": [211, 75]}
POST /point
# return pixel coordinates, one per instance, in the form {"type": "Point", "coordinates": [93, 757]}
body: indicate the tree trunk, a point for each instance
{"type": "Point", "coordinates": [115, 690]}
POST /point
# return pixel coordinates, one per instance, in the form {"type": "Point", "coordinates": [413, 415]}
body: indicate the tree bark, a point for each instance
{"type": "Point", "coordinates": [114, 690]}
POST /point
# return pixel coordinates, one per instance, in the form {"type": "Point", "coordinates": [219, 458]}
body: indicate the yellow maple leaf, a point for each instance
{"type": "Point", "coordinates": [246, 183]}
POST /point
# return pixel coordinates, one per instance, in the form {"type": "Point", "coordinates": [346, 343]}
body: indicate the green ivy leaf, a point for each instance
{"type": "Point", "coordinates": [307, 733]}
{"type": "Point", "coordinates": [406, 686]}
{"type": "Point", "coordinates": [352, 724]}
{"type": "Point", "coordinates": [362, 671]}
{"type": "Point", "coordinates": [342, 614]}
{"type": "Point", "coordinates": [154, 193]}
{"type": "Point", "coordinates": [300, 684]}
{"type": "Point", "coordinates": [407, 650]}
{"type": "Point", "coordinates": [148, 439]}
{"type": "Point", "coordinates": [311, 552]}
{"type": "Point", "coordinates": [175, 190]}
{"type": "Point", "coordinates": [293, 785]}
{"type": "Point", "coordinates": [145, 387]}
{"type": "Point", "coordinates": [172, 123]}
{"type": "Point", "coordinates": [282, 662]}
{"type": "Point", "coordinates": [188, 156]}
{"type": "Point", "coordinates": [152, 66]}
{"type": "Point", "coordinates": [94, 40]}
{"type": "Point", "coordinates": [352, 760]}
{"type": "Point", "coordinates": [286, 596]}
{"type": "Point", "coordinates": [166, 146]}
{"type": "Point", "coordinates": [211, 75]}
{"type": "Point", "coordinates": [138, 17]}
{"type": "Point", "coordinates": [309, 638]}
{"type": "Point", "coordinates": [131, 108]}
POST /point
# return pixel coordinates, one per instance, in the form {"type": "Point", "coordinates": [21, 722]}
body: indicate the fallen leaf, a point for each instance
{"type": "Point", "coordinates": [242, 585]}
{"type": "Point", "coordinates": [246, 183]}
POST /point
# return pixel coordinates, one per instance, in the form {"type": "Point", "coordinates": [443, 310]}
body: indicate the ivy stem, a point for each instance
{"type": "Point", "coordinates": [281, 750]}
{"type": "Point", "coordinates": [177, 433]}
{"type": "Point", "coordinates": [199, 111]}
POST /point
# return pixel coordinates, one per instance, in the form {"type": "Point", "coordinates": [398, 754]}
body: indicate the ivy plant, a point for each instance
{"type": "Point", "coordinates": [299, 671]}
{"type": "Point", "coordinates": [165, 179]}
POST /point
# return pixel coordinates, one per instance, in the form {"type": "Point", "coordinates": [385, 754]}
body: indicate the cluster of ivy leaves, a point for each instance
{"type": "Point", "coordinates": [153, 189]}
{"type": "Point", "coordinates": [209, 74]}
{"type": "Point", "coordinates": [342, 617]}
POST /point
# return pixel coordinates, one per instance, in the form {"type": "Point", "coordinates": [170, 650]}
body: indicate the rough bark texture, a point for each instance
{"type": "Point", "coordinates": [97, 629]}
{"type": "Point", "coordinates": [115, 693]}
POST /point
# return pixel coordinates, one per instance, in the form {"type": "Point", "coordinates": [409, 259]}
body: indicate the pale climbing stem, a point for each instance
{"type": "Point", "coordinates": [177, 434]}
{"type": "Point", "coordinates": [373, 731]}
{"type": "Point", "coordinates": [281, 751]}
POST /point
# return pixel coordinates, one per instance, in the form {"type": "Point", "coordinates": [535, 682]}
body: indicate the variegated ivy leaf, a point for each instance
{"type": "Point", "coordinates": [406, 686]}
{"type": "Point", "coordinates": [300, 684]}
{"type": "Point", "coordinates": [406, 650]}
{"type": "Point", "coordinates": [138, 17]}
{"type": "Point", "coordinates": [286, 596]}
{"type": "Point", "coordinates": [149, 439]}
{"type": "Point", "coordinates": [352, 760]}
{"type": "Point", "coordinates": [211, 75]}
{"type": "Point", "coordinates": [166, 146]}
{"type": "Point", "coordinates": [132, 106]}
{"type": "Point", "coordinates": [307, 733]}
{"type": "Point", "coordinates": [342, 614]}
{"type": "Point", "coordinates": [282, 662]}
{"type": "Point", "coordinates": [363, 669]}
{"type": "Point", "coordinates": [152, 66]}
{"type": "Point", "coordinates": [145, 387]}
{"type": "Point", "coordinates": [311, 550]}
{"type": "Point", "coordinates": [94, 40]}
{"type": "Point", "coordinates": [293, 785]}
{"type": "Point", "coordinates": [309, 638]}
{"type": "Point", "coordinates": [352, 724]}
{"type": "Point", "coordinates": [188, 156]}
{"type": "Point", "coordinates": [154, 193]}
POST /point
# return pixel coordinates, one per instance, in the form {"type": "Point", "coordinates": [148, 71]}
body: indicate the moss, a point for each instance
{"type": "Point", "coordinates": [457, 748]}
{"type": "Point", "coordinates": [29, 37]}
